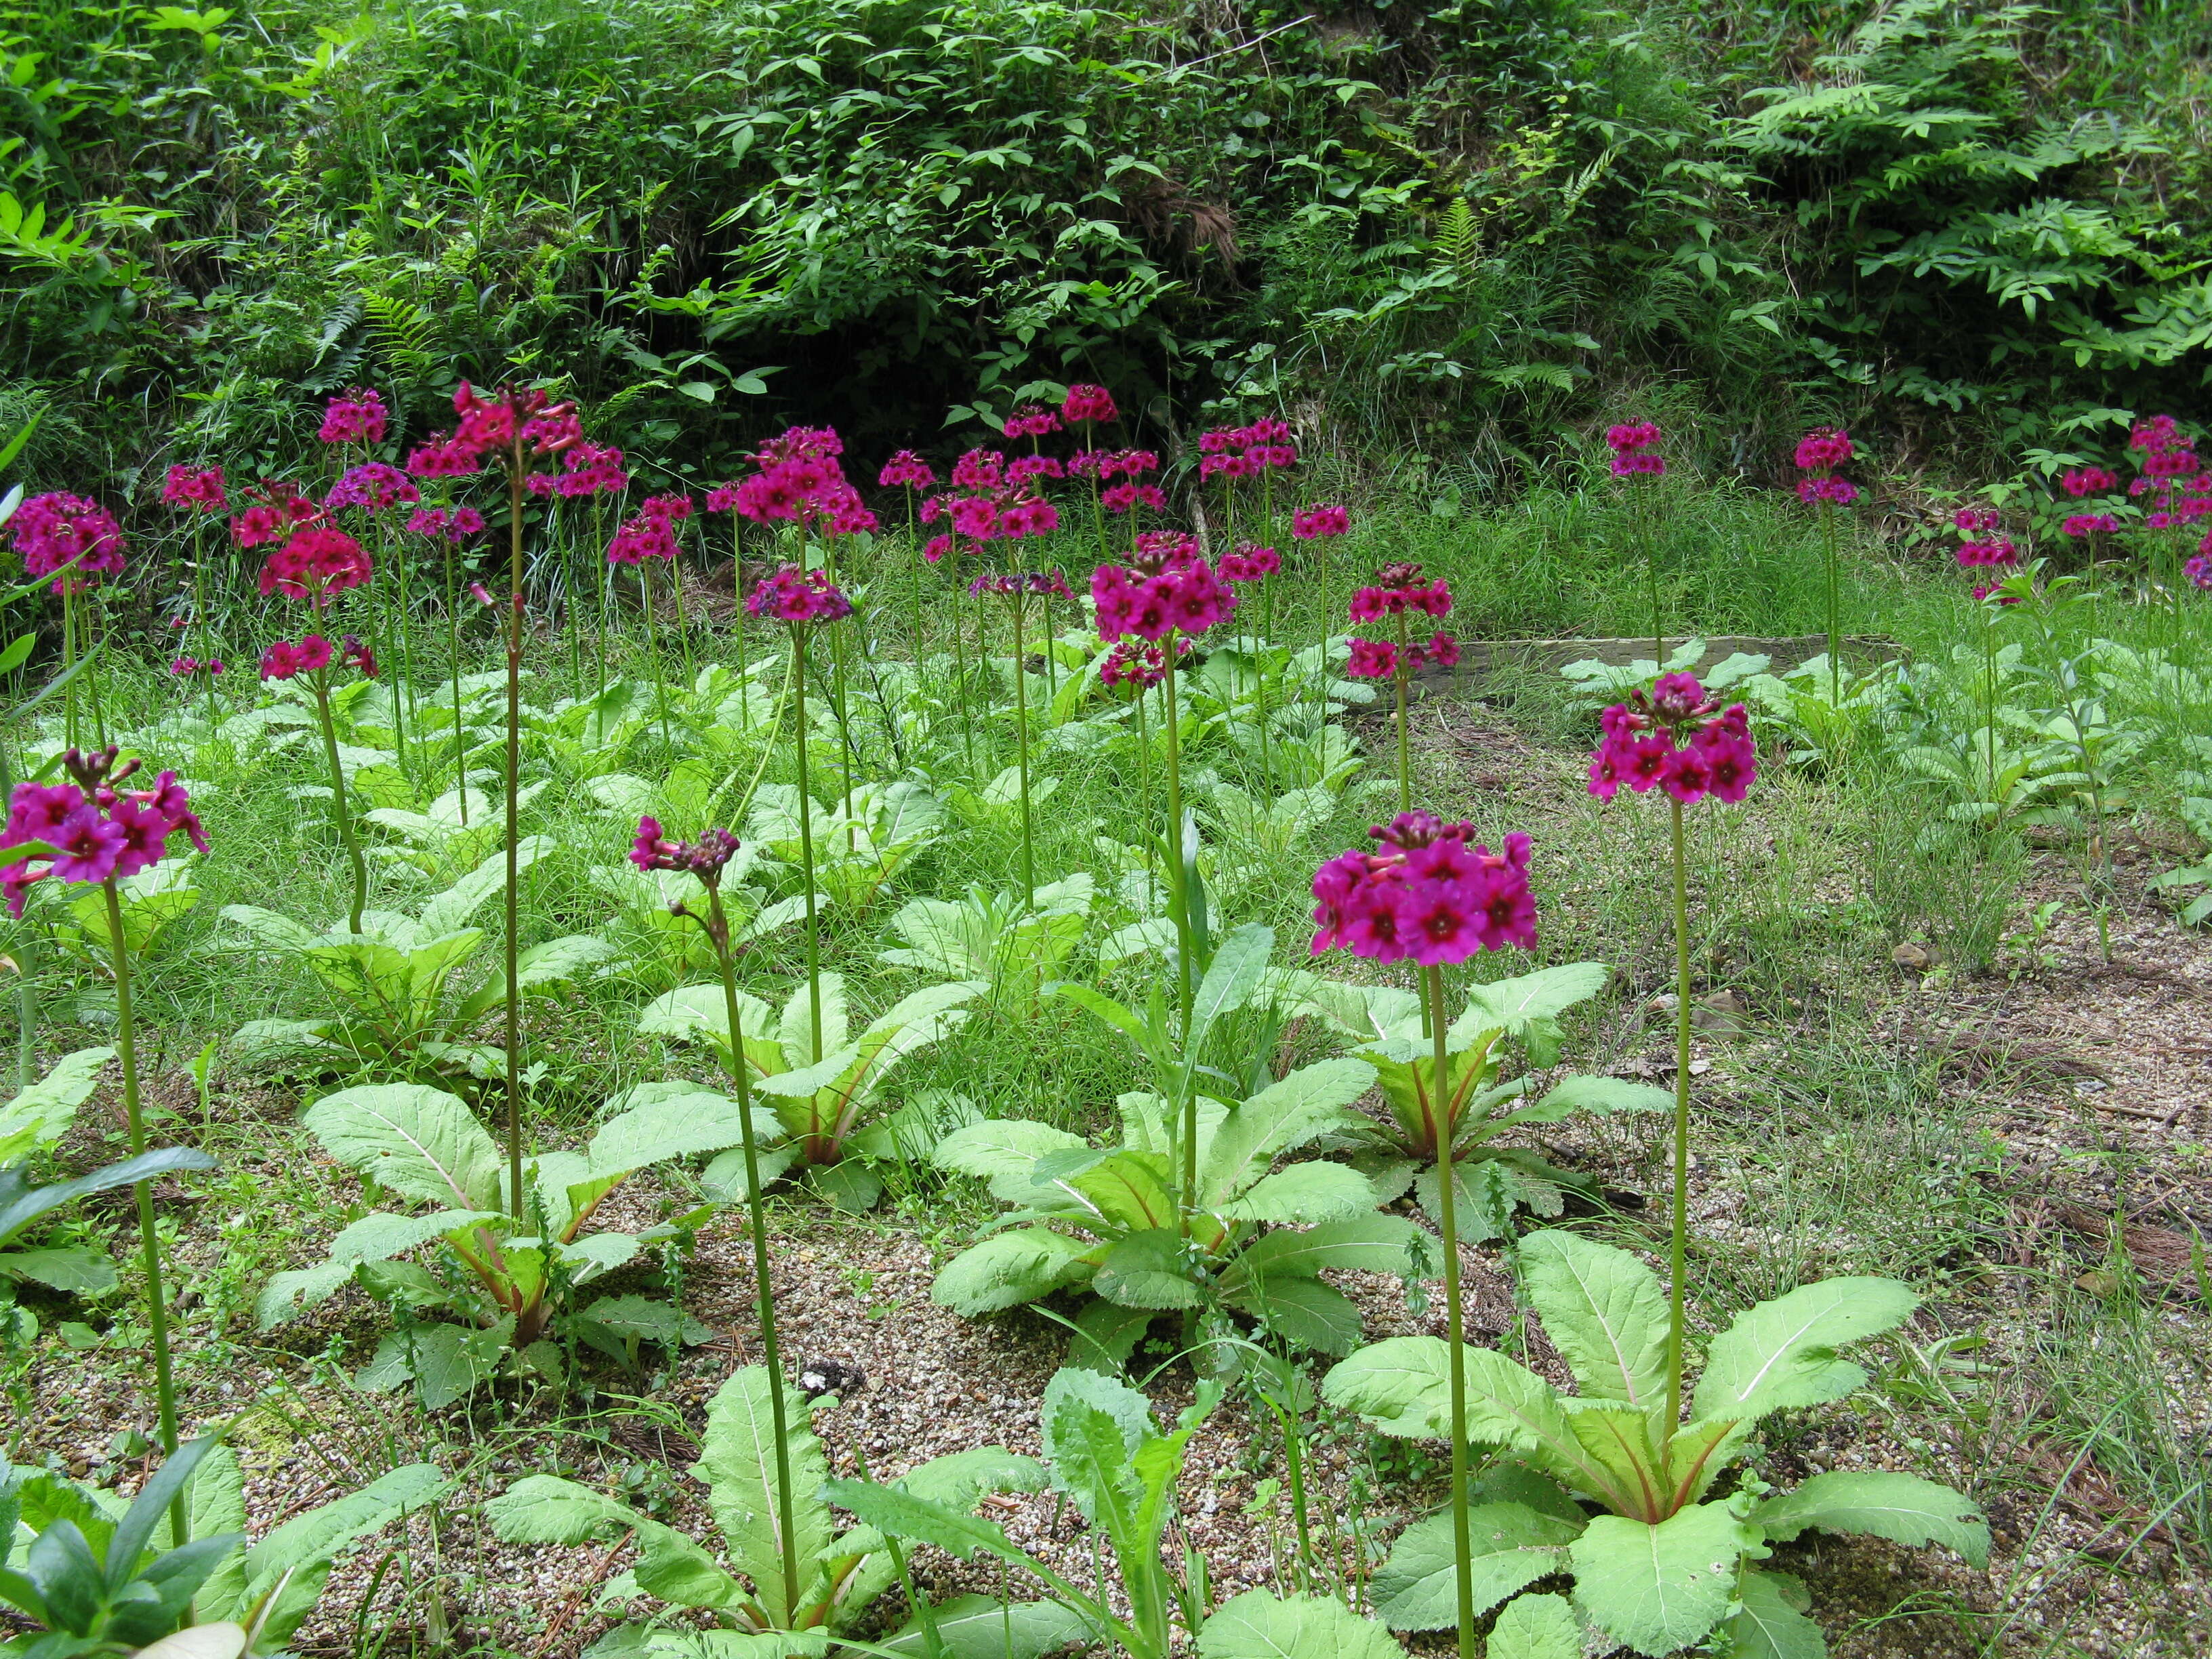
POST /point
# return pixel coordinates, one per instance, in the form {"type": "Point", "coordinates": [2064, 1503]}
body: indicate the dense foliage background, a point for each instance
{"type": "Point", "coordinates": [1460, 231]}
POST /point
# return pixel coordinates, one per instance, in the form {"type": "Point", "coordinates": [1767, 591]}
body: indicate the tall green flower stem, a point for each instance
{"type": "Point", "coordinates": [806, 840]}
{"type": "Point", "coordinates": [960, 679]}
{"type": "Point", "coordinates": [653, 645]}
{"type": "Point", "coordinates": [341, 813]}
{"type": "Point", "coordinates": [737, 619]}
{"type": "Point", "coordinates": [718, 931]}
{"type": "Point", "coordinates": [683, 623]}
{"type": "Point", "coordinates": [200, 623]}
{"type": "Point", "coordinates": [1440, 1098]}
{"type": "Point", "coordinates": [1651, 580]}
{"type": "Point", "coordinates": [453, 663]}
{"type": "Point", "coordinates": [1677, 1243]}
{"type": "Point", "coordinates": [1401, 674]}
{"type": "Point", "coordinates": [1835, 637]}
{"type": "Point", "coordinates": [516, 473]}
{"type": "Point", "coordinates": [69, 662]}
{"type": "Point", "coordinates": [1989, 619]}
{"type": "Point", "coordinates": [1179, 905]}
{"type": "Point", "coordinates": [157, 1313]}
{"type": "Point", "coordinates": [1022, 753]}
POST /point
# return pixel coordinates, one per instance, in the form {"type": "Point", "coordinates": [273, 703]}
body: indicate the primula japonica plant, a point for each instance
{"type": "Point", "coordinates": [314, 657]}
{"type": "Point", "coordinates": [507, 1277]}
{"type": "Point", "coordinates": [1435, 895]}
{"type": "Point", "coordinates": [1819, 453]}
{"type": "Point", "coordinates": [515, 428]}
{"type": "Point", "coordinates": [198, 492]}
{"type": "Point", "coordinates": [88, 831]}
{"type": "Point", "coordinates": [101, 1576]}
{"type": "Point", "coordinates": [1678, 738]}
{"type": "Point", "coordinates": [1398, 592]}
{"type": "Point", "coordinates": [1168, 592]}
{"type": "Point", "coordinates": [1666, 1563]}
{"type": "Point", "coordinates": [785, 1569]}
{"type": "Point", "coordinates": [1105, 1453]}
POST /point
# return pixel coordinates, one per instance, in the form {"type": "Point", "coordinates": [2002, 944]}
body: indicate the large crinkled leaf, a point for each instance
{"type": "Point", "coordinates": [1659, 1588]}
{"type": "Point", "coordinates": [1902, 1508]}
{"type": "Point", "coordinates": [382, 1236]}
{"type": "Point", "coordinates": [1260, 1624]}
{"type": "Point", "coordinates": [419, 1142]}
{"type": "Point", "coordinates": [75, 1269]}
{"type": "Point", "coordinates": [1603, 1311]}
{"type": "Point", "coordinates": [1092, 1427]}
{"type": "Point", "coordinates": [1512, 1546]}
{"type": "Point", "coordinates": [1781, 1354]}
{"type": "Point", "coordinates": [902, 1514]}
{"type": "Point", "coordinates": [677, 1568]}
{"type": "Point", "coordinates": [1403, 1387]}
{"type": "Point", "coordinates": [699, 1011]}
{"type": "Point", "coordinates": [1304, 1312]}
{"type": "Point", "coordinates": [1363, 1243]}
{"type": "Point", "coordinates": [983, 1627]}
{"type": "Point", "coordinates": [669, 1125]}
{"type": "Point", "coordinates": [1147, 1269]}
{"type": "Point", "coordinates": [1127, 1189]}
{"type": "Point", "coordinates": [39, 1115]}
{"type": "Point", "coordinates": [1772, 1623]}
{"type": "Point", "coordinates": [545, 1509]}
{"type": "Point", "coordinates": [1239, 964]}
{"type": "Point", "coordinates": [278, 931]}
{"type": "Point", "coordinates": [1535, 1627]}
{"type": "Point", "coordinates": [1591, 1094]}
{"type": "Point", "coordinates": [1302, 1195]}
{"type": "Point", "coordinates": [444, 1362]}
{"type": "Point", "coordinates": [1483, 1193]}
{"type": "Point", "coordinates": [962, 1479]}
{"type": "Point", "coordinates": [289, 1294]}
{"type": "Point", "coordinates": [1008, 1269]}
{"type": "Point", "coordinates": [737, 1460]}
{"type": "Point", "coordinates": [1516, 1005]}
{"type": "Point", "coordinates": [1281, 1117]}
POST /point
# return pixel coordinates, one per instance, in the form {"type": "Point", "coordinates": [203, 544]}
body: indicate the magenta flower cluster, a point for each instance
{"type": "Point", "coordinates": [1168, 588]}
{"type": "Point", "coordinates": [1137, 664]}
{"type": "Point", "coordinates": [1245, 452]}
{"type": "Point", "coordinates": [1324, 520]}
{"type": "Point", "coordinates": [453, 524]}
{"type": "Point", "coordinates": [1381, 660]}
{"type": "Point", "coordinates": [317, 563]}
{"type": "Point", "coordinates": [75, 540]}
{"type": "Point", "coordinates": [187, 667]}
{"type": "Point", "coordinates": [357, 417]}
{"type": "Point", "coordinates": [279, 511]}
{"type": "Point", "coordinates": [1432, 894]}
{"type": "Point", "coordinates": [1049, 583]}
{"type": "Point", "coordinates": [520, 422]}
{"type": "Point", "coordinates": [1031, 421]}
{"type": "Point", "coordinates": [1250, 562]}
{"type": "Point", "coordinates": [651, 532]}
{"type": "Point", "coordinates": [285, 660]}
{"type": "Point", "coordinates": [704, 858]}
{"type": "Point", "coordinates": [1819, 453]}
{"type": "Point", "coordinates": [586, 469]}
{"type": "Point", "coordinates": [1635, 447]}
{"type": "Point", "coordinates": [792, 595]}
{"type": "Point", "coordinates": [373, 486]}
{"type": "Point", "coordinates": [906, 468]}
{"type": "Point", "coordinates": [97, 832]}
{"type": "Point", "coordinates": [1398, 589]}
{"type": "Point", "coordinates": [1677, 738]}
{"type": "Point", "coordinates": [1088, 404]}
{"type": "Point", "coordinates": [200, 489]}
{"type": "Point", "coordinates": [2172, 473]}
{"type": "Point", "coordinates": [1981, 545]}
{"type": "Point", "coordinates": [799, 480]}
